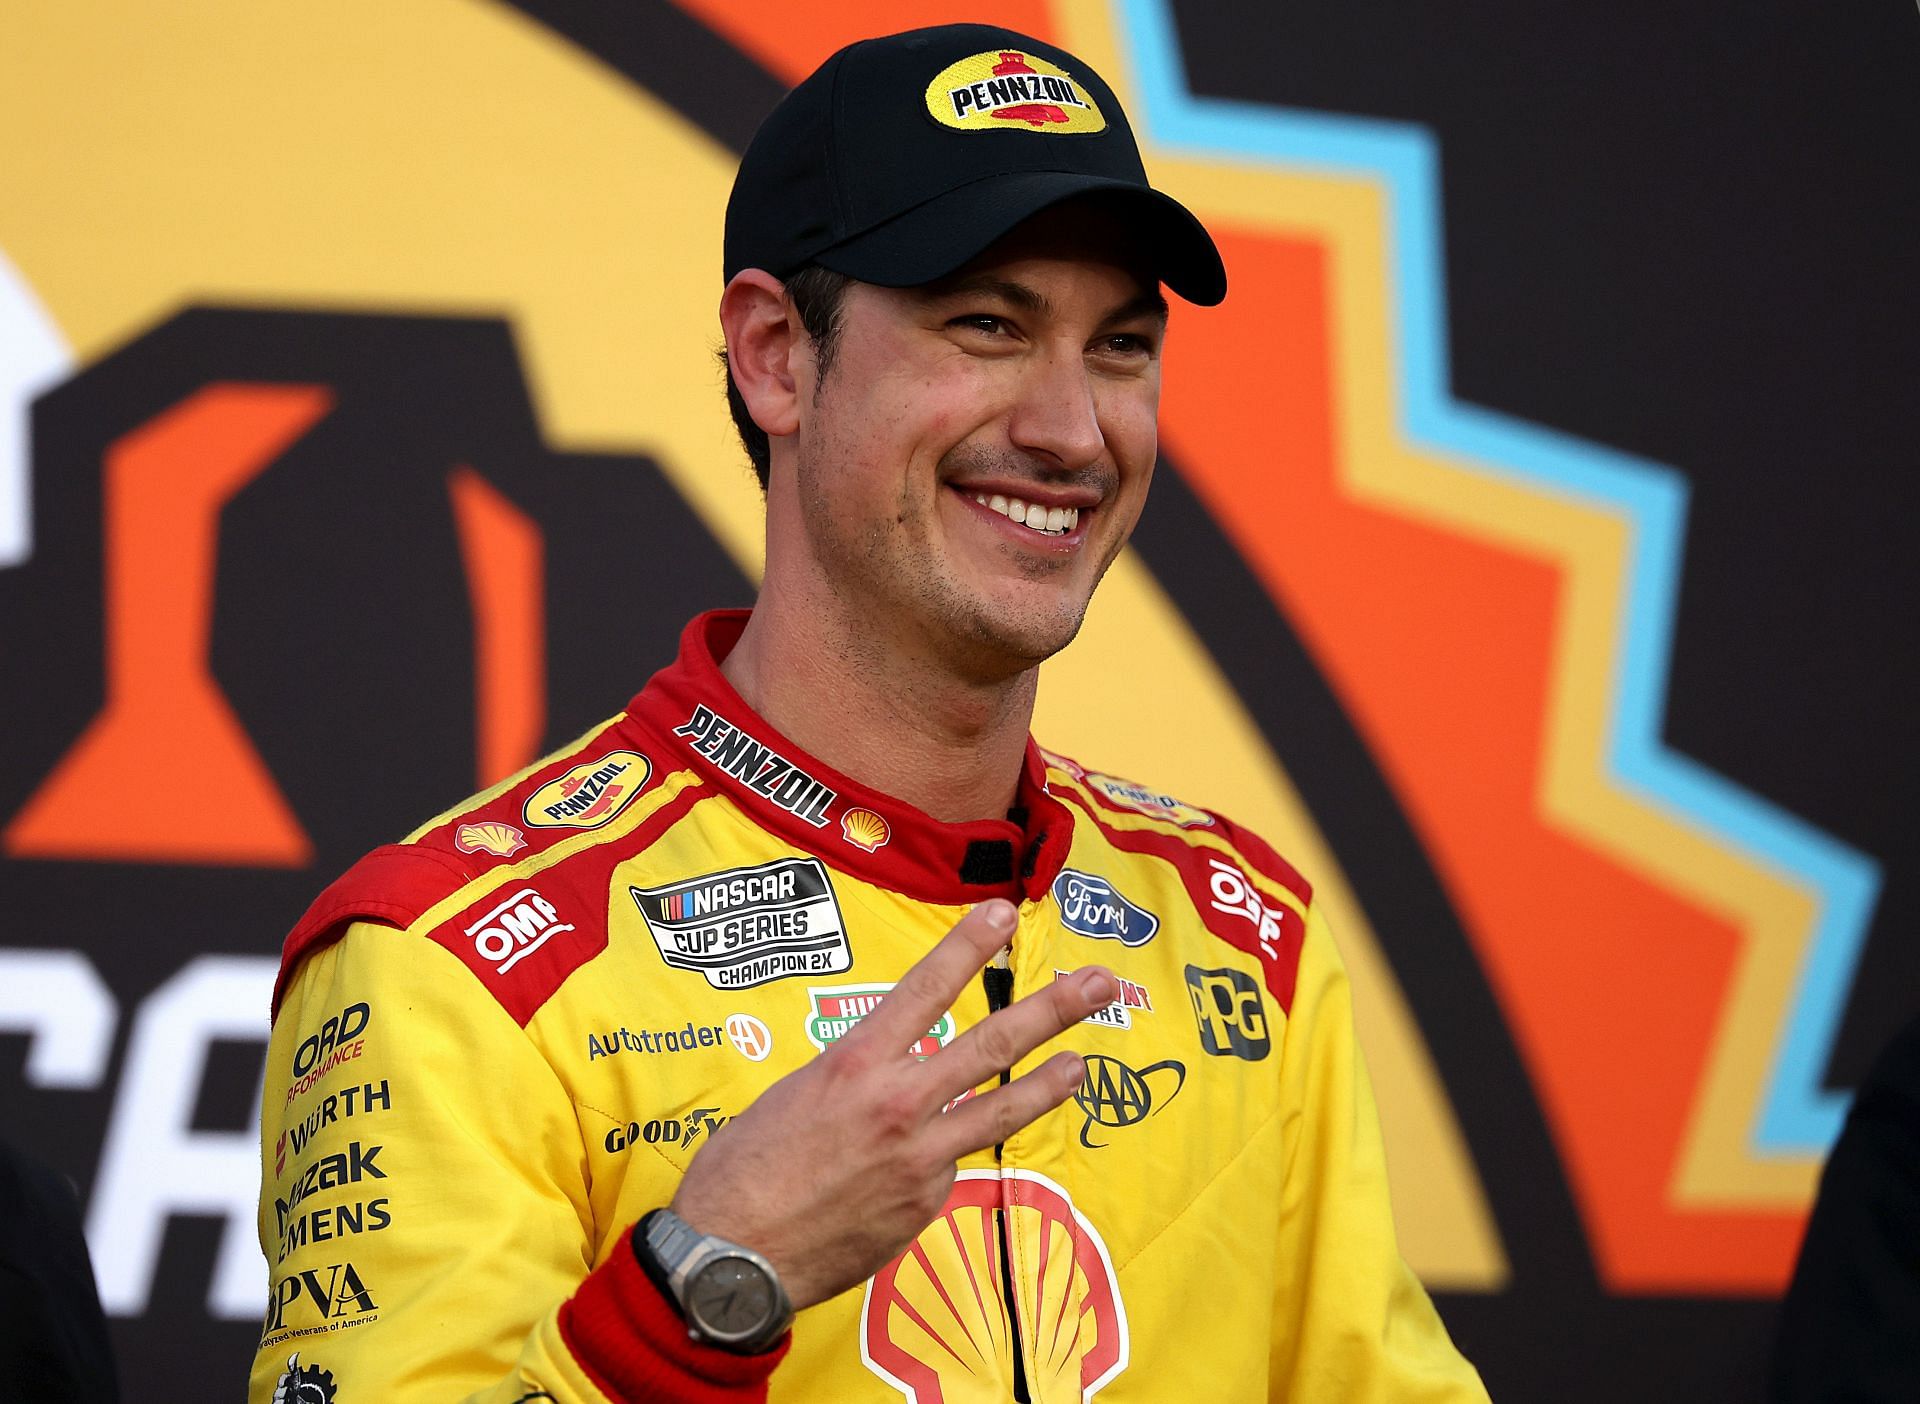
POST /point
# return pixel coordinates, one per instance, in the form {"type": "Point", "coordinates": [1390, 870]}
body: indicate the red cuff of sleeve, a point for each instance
{"type": "Point", "coordinates": [633, 1345]}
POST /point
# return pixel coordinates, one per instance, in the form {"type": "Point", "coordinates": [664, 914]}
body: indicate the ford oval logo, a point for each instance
{"type": "Point", "coordinates": [1091, 906]}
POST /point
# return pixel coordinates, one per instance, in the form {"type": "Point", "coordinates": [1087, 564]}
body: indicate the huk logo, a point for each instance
{"type": "Point", "coordinates": [501, 840]}
{"type": "Point", "coordinates": [1113, 1094]}
{"type": "Point", "coordinates": [516, 929]}
{"type": "Point", "coordinates": [864, 829]}
{"type": "Point", "coordinates": [1092, 906]}
{"type": "Point", "coordinates": [589, 795]}
{"type": "Point", "coordinates": [1006, 90]}
{"type": "Point", "coordinates": [760, 768]}
{"type": "Point", "coordinates": [1140, 799]}
{"type": "Point", "coordinates": [837, 1010]}
{"type": "Point", "coordinates": [1231, 1015]}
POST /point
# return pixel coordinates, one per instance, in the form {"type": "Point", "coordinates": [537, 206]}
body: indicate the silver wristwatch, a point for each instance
{"type": "Point", "coordinates": [728, 1295]}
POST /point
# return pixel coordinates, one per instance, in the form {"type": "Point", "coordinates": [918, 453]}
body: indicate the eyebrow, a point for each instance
{"type": "Point", "coordinates": [1150, 303]}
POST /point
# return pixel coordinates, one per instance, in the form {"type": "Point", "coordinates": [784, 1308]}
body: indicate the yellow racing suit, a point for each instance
{"type": "Point", "coordinates": [499, 1043]}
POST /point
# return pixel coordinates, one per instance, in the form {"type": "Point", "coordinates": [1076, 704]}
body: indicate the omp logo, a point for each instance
{"type": "Point", "coordinates": [1234, 895]}
{"type": "Point", "coordinates": [516, 929]}
{"type": "Point", "coordinates": [760, 768]}
{"type": "Point", "coordinates": [589, 795]}
{"type": "Point", "coordinates": [1004, 89]}
{"type": "Point", "coordinates": [1113, 1094]}
{"type": "Point", "coordinates": [1231, 1015]}
{"type": "Point", "coordinates": [934, 1322]}
{"type": "Point", "coordinates": [332, 1294]}
{"type": "Point", "coordinates": [336, 1041]}
{"type": "Point", "coordinates": [1092, 906]}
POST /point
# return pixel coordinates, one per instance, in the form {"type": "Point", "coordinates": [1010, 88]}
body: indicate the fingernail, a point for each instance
{"type": "Point", "coordinates": [999, 915]}
{"type": "Point", "coordinates": [1097, 984]}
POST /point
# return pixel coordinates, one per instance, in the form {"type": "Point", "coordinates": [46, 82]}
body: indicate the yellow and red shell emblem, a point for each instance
{"type": "Point", "coordinates": [590, 794]}
{"type": "Point", "coordinates": [864, 829]}
{"type": "Point", "coordinates": [1005, 90]}
{"type": "Point", "coordinates": [934, 1322]}
{"type": "Point", "coordinates": [501, 840]}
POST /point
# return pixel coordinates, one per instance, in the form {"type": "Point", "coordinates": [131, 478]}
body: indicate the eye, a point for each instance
{"type": "Point", "coordinates": [983, 322]}
{"type": "Point", "coordinates": [1126, 345]}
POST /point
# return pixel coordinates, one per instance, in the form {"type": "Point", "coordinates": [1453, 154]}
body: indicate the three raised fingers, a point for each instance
{"type": "Point", "coordinates": [928, 990]}
{"type": "Point", "coordinates": [999, 1041]}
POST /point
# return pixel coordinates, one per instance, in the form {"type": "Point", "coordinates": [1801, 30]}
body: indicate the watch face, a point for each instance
{"type": "Point", "coordinates": [730, 1297]}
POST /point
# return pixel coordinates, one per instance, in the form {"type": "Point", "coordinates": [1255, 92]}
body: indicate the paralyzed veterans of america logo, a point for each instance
{"type": "Point", "coordinates": [589, 795]}
{"type": "Point", "coordinates": [934, 1322]}
{"type": "Point", "coordinates": [746, 926]}
{"type": "Point", "coordinates": [838, 1008]}
{"type": "Point", "coordinates": [1004, 90]}
{"type": "Point", "coordinates": [1092, 906]}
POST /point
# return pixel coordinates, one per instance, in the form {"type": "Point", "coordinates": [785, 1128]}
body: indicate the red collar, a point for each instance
{"type": "Point", "coordinates": [692, 711]}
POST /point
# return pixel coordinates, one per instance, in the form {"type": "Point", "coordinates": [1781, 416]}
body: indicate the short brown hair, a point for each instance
{"type": "Point", "coordinates": [817, 295]}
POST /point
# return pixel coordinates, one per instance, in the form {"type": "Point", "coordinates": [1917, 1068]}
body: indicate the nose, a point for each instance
{"type": "Point", "coordinates": [1055, 414]}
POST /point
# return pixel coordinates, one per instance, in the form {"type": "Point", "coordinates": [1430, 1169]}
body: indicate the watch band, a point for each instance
{"type": "Point", "coordinates": [675, 1255]}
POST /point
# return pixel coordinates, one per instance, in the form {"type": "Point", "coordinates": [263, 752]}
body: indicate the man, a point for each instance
{"type": "Point", "coordinates": [772, 995]}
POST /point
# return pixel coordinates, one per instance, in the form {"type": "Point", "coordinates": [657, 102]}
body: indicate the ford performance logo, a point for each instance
{"type": "Point", "coordinates": [1090, 906]}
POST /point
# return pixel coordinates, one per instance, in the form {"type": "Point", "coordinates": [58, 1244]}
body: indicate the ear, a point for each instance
{"type": "Point", "coordinates": [763, 342]}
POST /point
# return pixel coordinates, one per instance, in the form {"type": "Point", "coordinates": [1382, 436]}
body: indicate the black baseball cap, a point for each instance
{"type": "Point", "coordinates": [900, 158]}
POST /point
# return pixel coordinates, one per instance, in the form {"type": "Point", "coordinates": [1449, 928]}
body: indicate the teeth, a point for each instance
{"type": "Point", "coordinates": [1054, 521]}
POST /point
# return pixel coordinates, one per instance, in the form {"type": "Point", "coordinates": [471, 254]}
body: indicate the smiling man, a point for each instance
{"type": "Point", "coordinates": [805, 1031]}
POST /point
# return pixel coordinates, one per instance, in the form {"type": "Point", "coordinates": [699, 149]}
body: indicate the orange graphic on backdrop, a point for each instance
{"type": "Point", "coordinates": [166, 773]}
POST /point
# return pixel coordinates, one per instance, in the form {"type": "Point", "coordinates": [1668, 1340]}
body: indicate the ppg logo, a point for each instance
{"type": "Point", "coordinates": [1230, 1013]}
{"type": "Point", "coordinates": [1091, 906]}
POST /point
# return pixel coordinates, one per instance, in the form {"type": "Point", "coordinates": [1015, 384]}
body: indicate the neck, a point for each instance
{"type": "Point", "coordinates": [895, 719]}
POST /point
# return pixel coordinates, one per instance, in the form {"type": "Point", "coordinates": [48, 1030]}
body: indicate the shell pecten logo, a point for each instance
{"type": "Point", "coordinates": [1004, 90]}
{"type": "Point", "coordinates": [864, 829]}
{"type": "Point", "coordinates": [590, 794]}
{"type": "Point", "coordinates": [934, 1324]}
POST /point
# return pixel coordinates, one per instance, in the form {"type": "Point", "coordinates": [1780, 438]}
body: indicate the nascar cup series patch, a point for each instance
{"type": "Point", "coordinates": [1004, 90]}
{"type": "Point", "coordinates": [745, 926]}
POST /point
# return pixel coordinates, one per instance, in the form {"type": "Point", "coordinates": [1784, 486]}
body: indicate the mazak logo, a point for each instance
{"type": "Point", "coordinates": [760, 768]}
{"type": "Point", "coordinates": [683, 1130]}
{"type": "Point", "coordinates": [1115, 1095]}
{"type": "Point", "coordinates": [515, 929]}
{"type": "Point", "coordinates": [333, 1295]}
{"type": "Point", "coordinates": [1119, 1014]}
{"type": "Point", "coordinates": [501, 840]}
{"type": "Point", "coordinates": [1005, 89]}
{"type": "Point", "coordinates": [837, 1009]}
{"type": "Point", "coordinates": [1231, 1015]}
{"type": "Point", "coordinates": [1092, 906]}
{"type": "Point", "coordinates": [336, 1041]}
{"type": "Point", "coordinates": [1237, 897]}
{"type": "Point", "coordinates": [1139, 798]}
{"type": "Point", "coordinates": [348, 1167]}
{"type": "Point", "coordinates": [589, 795]}
{"type": "Point", "coordinates": [335, 1106]}
{"type": "Point", "coordinates": [746, 926]}
{"type": "Point", "coordinates": [934, 1322]}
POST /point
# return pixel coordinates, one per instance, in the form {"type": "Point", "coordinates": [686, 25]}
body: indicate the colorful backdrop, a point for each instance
{"type": "Point", "coordinates": [1531, 558]}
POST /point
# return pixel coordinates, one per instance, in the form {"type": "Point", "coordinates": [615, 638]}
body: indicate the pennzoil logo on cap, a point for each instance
{"type": "Point", "coordinates": [1006, 90]}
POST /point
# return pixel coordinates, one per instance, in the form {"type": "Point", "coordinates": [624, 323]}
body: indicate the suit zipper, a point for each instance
{"type": "Point", "coordinates": [998, 979]}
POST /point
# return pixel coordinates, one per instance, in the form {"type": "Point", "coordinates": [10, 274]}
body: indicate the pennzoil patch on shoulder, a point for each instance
{"type": "Point", "coordinates": [1005, 90]}
{"type": "Point", "coordinates": [589, 795]}
{"type": "Point", "coordinates": [745, 926]}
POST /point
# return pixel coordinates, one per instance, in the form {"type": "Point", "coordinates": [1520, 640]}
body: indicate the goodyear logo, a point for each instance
{"type": "Point", "coordinates": [1004, 90]}
{"type": "Point", "coordinates": [589, 795]}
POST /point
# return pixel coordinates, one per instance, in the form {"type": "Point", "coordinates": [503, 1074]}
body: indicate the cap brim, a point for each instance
{"type": "Point", "coordinates": [936, 238]}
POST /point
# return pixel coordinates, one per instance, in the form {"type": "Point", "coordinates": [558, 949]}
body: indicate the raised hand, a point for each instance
{"type": "Point", "coordinates": [837, 1167]}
